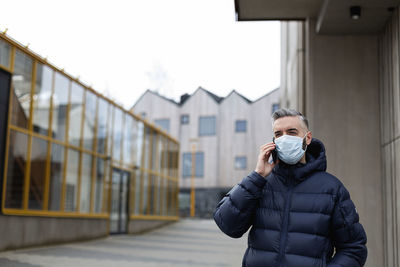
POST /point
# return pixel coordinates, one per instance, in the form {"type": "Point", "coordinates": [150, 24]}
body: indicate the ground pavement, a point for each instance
{"type": "Point", "coordinates": [185, 243]}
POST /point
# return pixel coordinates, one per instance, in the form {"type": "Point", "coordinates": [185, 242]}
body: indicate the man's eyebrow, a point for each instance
{"type": "Point", "coordinates": [277, 132]}
{"type": "Point", "coordinates": [292, 129]}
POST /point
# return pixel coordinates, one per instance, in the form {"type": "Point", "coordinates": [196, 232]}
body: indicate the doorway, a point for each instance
{"type": "Point", "coordinates": [119, 202]}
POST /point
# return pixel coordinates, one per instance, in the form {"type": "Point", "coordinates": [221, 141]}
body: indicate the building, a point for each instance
{"type": "Point", "coordinates": [340, 67]}
{"type": "Point", "coordinates": [74, 164]}
{"type": "Point", "coordinates": [222, 135]}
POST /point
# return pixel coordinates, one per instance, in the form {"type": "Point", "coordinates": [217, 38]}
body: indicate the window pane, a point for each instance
{"type": "Point", "coordinates": [164, 156]}
{"type": "Point", "coordinates": [241, 126]}
{"type": "Point", "coordinates": [173, 159]}
{"type": "Point", "coordinates": [90, 120]}
{"type": "Point", "coordinates": [106, 186]}
{"type": "Point", "coordinates": [157, 199]}
{"type": "Point", "coordinates": [133, 140]}
{"type": "Point", "coordinates": [75, 114]}
{"type": "Point", "coordinates": [38, 173]}
{"type": "Point", "coordinates": [240, 162]}
{"type": "Point", "coordinates": [136, 188]}
{"type": "Point", "coordinates": [147, 148]}
{"type": "Point", "coordinates": [163, 195]}
{"type": "Point", "coordinates": [163, 124]}
{"type": "Point", "coordinates": [170, 193]}
{"type": "Point", "coordinates": [98, 186]}
{"type": "Point", "coordinates": [154, 145]}
{"type": "Point", "coordinates": [207, 126]}
{"type": "Point", "coordinates": [127, 145]}
{"type": "Point", "coordinates": [5, 51]}
{"type": "Point", "coordinates": [110, 128]}
{"type": "Point", "coordinates": [275, 107]}
{"type": "Point", "coordinates": [138, 139]}
{"type": "Point", "coordinates": [102, 126]}
{"type": "Point", "coordinates": [160, 150]}
{"type": "Point", "coordinates": [199, 164]}
{"type": "Point", "coordinates": [17, 157]}
{"type": "Point", "coordinates": [60, 103]}
{"type": "Point", "coordinates": [21, 81]}
{"type": "Point", "coordinates": [86, 181]}
{"type": "Point", "coordinates": [184, 119]}
{"type": "Point", "coordinates": [41, 98]}
{"type": "Point", "coordinates": [117, 134]}
{"type": "Point", "coordinates": [71, 193]}
{"type": "Point", "coordinates": [144, 192]}
{"type": "Point", "coordinates": [152, 194]}
{"type": "Point", "coordinates": [187, 164]}
{"type": "Point", "coordinates": [56, 176]}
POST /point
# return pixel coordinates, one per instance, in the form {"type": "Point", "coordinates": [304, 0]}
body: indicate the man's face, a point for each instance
{"type": "Point", "coordinates": [291, 125]}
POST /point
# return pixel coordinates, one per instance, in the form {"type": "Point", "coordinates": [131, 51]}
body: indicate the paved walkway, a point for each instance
{"type": "Point", "coordinates": [185, 243]}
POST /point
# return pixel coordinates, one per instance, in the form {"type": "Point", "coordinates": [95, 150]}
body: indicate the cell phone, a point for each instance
{"type": "Point", "coordinates": [274, 153]}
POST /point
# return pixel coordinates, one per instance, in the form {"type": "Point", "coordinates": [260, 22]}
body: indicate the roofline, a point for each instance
{"type": "Point", "coordinates": [154, 93]}
{"type": "Point", "coordinates": [270, 92]}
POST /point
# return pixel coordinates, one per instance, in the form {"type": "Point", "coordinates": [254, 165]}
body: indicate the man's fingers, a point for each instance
{"type": "Point", "coordinates": [267, 144]}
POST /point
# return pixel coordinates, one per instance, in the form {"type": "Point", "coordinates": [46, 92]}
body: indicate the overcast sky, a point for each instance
{"type": "Point", "coordinates": [121, 48]}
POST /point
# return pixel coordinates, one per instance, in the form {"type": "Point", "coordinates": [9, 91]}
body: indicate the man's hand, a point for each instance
{"type": "Point", "coordinates": [263, 167]}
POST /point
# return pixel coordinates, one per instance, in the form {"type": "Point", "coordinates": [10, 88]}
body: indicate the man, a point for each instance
{"type": "Point", "coordinates": [300, 215]}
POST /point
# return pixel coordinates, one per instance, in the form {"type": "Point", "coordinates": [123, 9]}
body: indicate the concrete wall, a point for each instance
{"type": "Point", "coordinates": [390, 138]}
{"type": "Point", "coordinates": [23, 231]}
{"type": "Point", "coordinates": [341, 101]}
{"type": "Point", "coordinates": [292, 65]}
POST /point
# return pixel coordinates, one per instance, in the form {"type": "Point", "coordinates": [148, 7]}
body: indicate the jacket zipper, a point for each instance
{"type": "Point", "coordinates": [285, 225]}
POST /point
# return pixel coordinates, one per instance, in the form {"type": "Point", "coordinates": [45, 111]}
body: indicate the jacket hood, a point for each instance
{"type": "Point", "coordinates": [315, 161]}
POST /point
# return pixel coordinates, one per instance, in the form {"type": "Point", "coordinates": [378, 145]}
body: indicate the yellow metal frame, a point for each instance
{"type": "Point", "coordinates": [109, 163]}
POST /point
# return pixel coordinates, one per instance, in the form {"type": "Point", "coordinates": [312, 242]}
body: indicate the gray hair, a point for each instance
{"type": "Point", "coordinates": [283, 112]}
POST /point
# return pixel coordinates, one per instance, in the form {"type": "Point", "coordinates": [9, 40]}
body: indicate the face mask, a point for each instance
{"type": "Point", "coordinates": [290, 148]}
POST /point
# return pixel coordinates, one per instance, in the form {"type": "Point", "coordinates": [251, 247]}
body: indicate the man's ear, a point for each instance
{"type": "Point", "coordinates": [308, 137]}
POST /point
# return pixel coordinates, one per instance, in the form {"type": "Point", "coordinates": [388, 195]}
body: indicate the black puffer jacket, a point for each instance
{"type": "Point", "coordinates": [299, 215]}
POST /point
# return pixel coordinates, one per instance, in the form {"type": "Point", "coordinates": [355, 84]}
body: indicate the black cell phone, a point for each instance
{"type": "Point", "coordinates": [274, 153]}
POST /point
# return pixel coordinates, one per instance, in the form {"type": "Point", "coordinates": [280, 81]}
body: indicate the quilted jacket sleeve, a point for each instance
{"type": "Point", "coordinates": [235, 212]}
{"type": "Point", "coordinates": [349, 237]}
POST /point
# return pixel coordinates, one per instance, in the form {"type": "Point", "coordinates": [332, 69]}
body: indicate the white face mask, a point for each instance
{"type": "Point", "coordinates": [290, 148]}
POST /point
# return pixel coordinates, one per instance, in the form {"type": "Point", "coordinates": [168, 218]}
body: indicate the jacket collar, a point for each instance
{"type": "Point", "coordinates": [315, 161]}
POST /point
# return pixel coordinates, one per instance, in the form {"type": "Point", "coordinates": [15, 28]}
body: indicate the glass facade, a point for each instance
{"type": "Point", "coordinates": [64, 141]}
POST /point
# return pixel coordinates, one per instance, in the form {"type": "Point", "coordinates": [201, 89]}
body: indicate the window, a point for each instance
{"type": "Point", "coordinates": [163, 123]}
{"type": "Point", "coordinates": [118, 117]}
{"type": "Point", "coordinates": [21, 82]}
{"type": "Point", "coordinates": [5, 50]}
{"type": "Point", "coordinates": [185, 119]}
{"type": "Point", "coordinates": [17, 158]}
{"type": "Point", "coordinates": [240, 126]}
{"type": "Point", "coordinates": [89, 120]}
{"type": "Point", "coordinates": [240, 163]}
{"type": "Point", "coordinates": [187, 164]}
{"type": "Point", "coordinates": [56, 176]}
{"type": "Point", "coordinates": [275, 107]}
{"type": "Point", "coordinates": [71, 194]}
{"type": "Point", "coordinates": [207, 126]}
{"type": "Point", "coordinates": [60, 103]}
{"type": "Point", "coordinates": [38, 173]}
{"type": "Point", "coordinates": [75, 114]}
{"type": "Point", "coordinates": [41, 99]}
{"type": "Point", "coordinates": [143, 115]}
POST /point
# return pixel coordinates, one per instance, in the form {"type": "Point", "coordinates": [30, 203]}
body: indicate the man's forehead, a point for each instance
{"type": "Point", "coordinates": [287, 122]}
